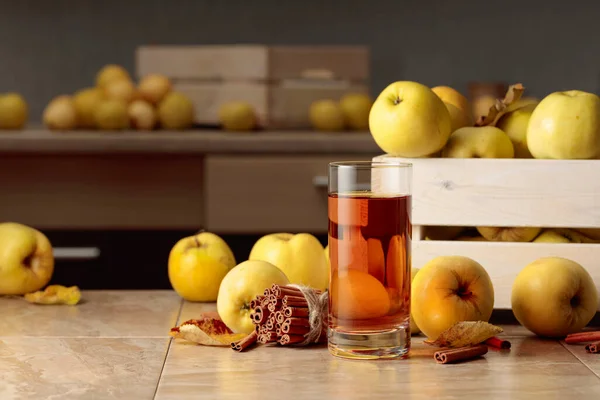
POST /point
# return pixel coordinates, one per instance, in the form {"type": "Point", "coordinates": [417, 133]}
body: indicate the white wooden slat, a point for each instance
{"type": "Point", "coordinates": [505, 192]}
{"type": "Point", "coordinates": [503, 260]}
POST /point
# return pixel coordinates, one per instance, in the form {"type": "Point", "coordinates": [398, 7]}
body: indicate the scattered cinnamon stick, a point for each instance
{"type": "Point", "coordinates": [460, 354]}
{"type": "Point", "coordinates": [246, 342]}
{"type": "Point", "coordinates": [498, 343]}
{"type": "Point", "coordinates": [583, 337]}
{"type": "Point", "coordinates": [593, 347]}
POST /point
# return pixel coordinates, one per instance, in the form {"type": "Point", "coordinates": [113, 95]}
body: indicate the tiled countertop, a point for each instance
{"type": "Point", "coordinates": [115, 345]}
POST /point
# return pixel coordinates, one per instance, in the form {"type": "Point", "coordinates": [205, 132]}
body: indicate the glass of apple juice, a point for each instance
{"type": "Point", "coordinates": [369, 212]}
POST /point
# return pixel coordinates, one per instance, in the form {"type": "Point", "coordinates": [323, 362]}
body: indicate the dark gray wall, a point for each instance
{"type": "Point", "coordinates": [56, 46]}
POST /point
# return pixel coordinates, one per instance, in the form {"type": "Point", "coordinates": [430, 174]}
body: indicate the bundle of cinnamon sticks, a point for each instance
{"type": "Point", "coordinates": [592, 339]}
{"type": "Point", "coordinates": [280, 315]}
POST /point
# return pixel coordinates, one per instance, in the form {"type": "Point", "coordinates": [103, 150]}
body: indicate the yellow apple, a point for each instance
{"type": "Point", "coordinates": [326, 115]}
{"type": "Point", "coordinates": [409, 120]}
{"type": "Point", "coordinates": [13, 111]}
{"type": "Point", "coordinates": [60, 113]}
{"type": "Point", "coordinates": [554, 296]}
{"type": "Point", "coordinates": [479, 142]}
{"type": "Point", "coordinates": [514, 124]}
{"type": "Point", "coordinates": [154, 87]}
{"type": "Point", "coordinates": [562, 235]}
{"type": "Point", "coordinates": [86, 100]}
{"type": "Point", "coordinates": [237, 116]}
{"type": "Point", "coordinates": [26, 259]}
{"type": "Point", "coordinates": [506, 234]}
{"type": "Point", "coordinates": [110, 73]}
{"type": "Point", "coordinates": [111, 115]}
{"type": "Point", "coordinates": [414, 329]}
{"type": "Point", "coordinates": [565, 125]}
{"type": "Point", "coordinates": [240, 286]}
{"type": "Point", "coordinates": [356, 108]}
{"type": "Point", "coordinates": [120, 89]}
{"type": "Point", "coordinates": [450, 289]}
{"type": "Point", "coordinates": [300, 256]}
{"type": "Point", "coordinates": [197, 264]}
{"type": "Point", "coordinates": [176, 111]}
{"type": "Point", "coordinates": [458, 106]}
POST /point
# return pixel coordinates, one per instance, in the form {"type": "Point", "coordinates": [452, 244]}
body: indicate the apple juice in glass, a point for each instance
{"type": "Point", "coordinates": [369, 209]}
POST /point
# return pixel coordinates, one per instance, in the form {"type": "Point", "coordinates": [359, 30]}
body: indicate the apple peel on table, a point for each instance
{"type": "Point", "coordinates": [465, 333]}
{"type": "Point", "coordinates": [207, 331]}
{"type": "Point", "coordinates": [55, 294]}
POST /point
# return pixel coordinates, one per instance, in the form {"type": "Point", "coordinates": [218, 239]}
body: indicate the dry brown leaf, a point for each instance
{"type": "Point", "coordinates": [55, 294]}
{"type": "Point", "coordinates": [465, 333]}
{"type": "Point", "coordinates": [513, 95]}
{"type": "Point", "coordinates": [207, 331]}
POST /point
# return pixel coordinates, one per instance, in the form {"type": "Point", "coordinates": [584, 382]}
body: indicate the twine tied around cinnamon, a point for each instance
{"type": "Point", "coordinates": [318, 308]}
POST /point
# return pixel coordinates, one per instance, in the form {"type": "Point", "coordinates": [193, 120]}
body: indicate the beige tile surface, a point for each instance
{"type": "Point", "coordinates": [80, 368]}
{"type": "Point", "coordinates": [101, 313]}
{"type": "Point", "coordinates": [592, 361]}
{"type": "Point", "coordinates": [533, 368]}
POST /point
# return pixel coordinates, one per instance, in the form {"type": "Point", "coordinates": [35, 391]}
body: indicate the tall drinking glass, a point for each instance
{"type": "Point", "coordinates": [369, 207]}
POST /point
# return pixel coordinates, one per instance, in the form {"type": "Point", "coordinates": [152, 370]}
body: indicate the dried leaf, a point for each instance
{"type": "Point", "coordinates": [55, 294]}
{"type": "Point", "coordinates": [208, 331]}
{"type": "Point", "coordinates": [500, 107]}
{"type": "Point", "coordinates": [465, 333]}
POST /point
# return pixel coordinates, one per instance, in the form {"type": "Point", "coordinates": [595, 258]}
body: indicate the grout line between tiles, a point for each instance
{"type": "Point", "coordinates": [162, 368]}
{"type": "Point", "coordinates": [563, 344]}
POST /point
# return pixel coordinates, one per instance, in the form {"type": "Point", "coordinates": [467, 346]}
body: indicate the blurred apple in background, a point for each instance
{"type": "Point", "coordinates": [154, 87]}
{"type": "Point", "coordinates": [176, 111]}
{"type": "Point", "coordinates": [198, 264]}
{"type": "Point", "coordinates": [356, 108]}
{"type": "Point", "coordinates": [110, 73]}
{"type": "Point", "coordinates": [60, 113]}
{"type": "Point", "coordinates": [86, 101]}
{"type": "Point", "coordinates": [409, 120]}
{"type": "Point", "coordinates": [142, 115]}
{"type": "Point", "coordinates": [554, 296]}
{"type": "Point", "coordinates": [326, 115]}
{"type": "Point", "coordinates": [120, 89]}
{"type": "Point", "coordinates": [237, 116]}
{"type": "Point", "coordinates": [14, 111]}
{"type": "Point", "coordinates": [26, 259]}
{"type": "Point", "coordinates": [111, 115]}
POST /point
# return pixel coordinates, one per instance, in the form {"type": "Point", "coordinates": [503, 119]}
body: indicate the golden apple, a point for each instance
{"type": "Point", "coordinates": [120, 89]}
{"type": "Point", "coordinates": [356, 108]}
{"type": "Point", "coordinates": [60, 113]}
{"type": "Point", "coordinates": [240, 286]}
{"type": "Point", "coordinates": [197, 265]}
{"type": "Point", "coordinates": [86, 101]}
{"type": "Point", "coordinates": [409, 120]}
{"type": "Point", "coordinates": [142, 115]}
{"type": "Point", "coordinates": [414, 329]}
{"type": "Point", "coordinates": [237, 116]}
{"type": "Point", "coordinates": [458, 106]}
{"type": "Point", "coordinates": [26, 259]}
{"type": "Point", "coordinates": [176, 111]}
{"type": "Point", "coordinates": [111, 115]}
{"type": "Point", "coordinates": [110, 73]}
{"type": "Point", "coordinates": [14, 111]}
{"type": "Point", "coordinates": [562, 235]}
{"type": "Point", "coordinates": [326, 115]}
{"type": "Point", "coordinates": [154, 87]}
{"type": "Point", "coordinates": [508, 234]}
{"type": "Point", "coordinates": [300, 256]}
{"type": "Point", "coordinates": [479, 142]}
{"type": "Point", "coordinates": [514, 124]}
{"type": "Point", "coordinates": [565, 125]}
{"type": "Point", "coordinates": [554, 296]}
{"type": "Point", "coordinates": [450, 289]}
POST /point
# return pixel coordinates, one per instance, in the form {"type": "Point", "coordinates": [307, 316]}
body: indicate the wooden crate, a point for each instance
{"type": "Point", "coordinates": [279, 81]}
{"type": "Point", "coordinates": [507, 193]}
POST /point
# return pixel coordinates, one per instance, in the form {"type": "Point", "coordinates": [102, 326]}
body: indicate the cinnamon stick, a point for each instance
{"type": "Point", "coordinates": [582, 337]}
{"type": "Point", "coordinates": [295, 303]}
{"type": "Point", "coordinates": [294, 329]}
{"type": "Point", "coordinates": [460, 354]}
{"type": "Point", "coordinates": [261, 315]}
{"type": "Point", "coordinates": [275, 304]}
{"type": "Point", "coordinates": [267, 338]}
{"type": "Point", "coordinates": [593, 347]}
{"type": "Point", "coordinates": [296, 322]}
{"type": "Point", "coordinates": [256, 301]}
{"type": "Point", "coordinates": [244, 343]}
{"type": "Point", "coordinates": [290, 339]}
{"type": "Point", "coordinates": [267, 292]}
{"type": "Point", "coordinates": [295, 312]}
{"type": "Point", "coordinates": [498, 343]}
{"type": "Point", "coordinates": [281, 291]}
{"type": "Point", "coordinates": [279, 317]}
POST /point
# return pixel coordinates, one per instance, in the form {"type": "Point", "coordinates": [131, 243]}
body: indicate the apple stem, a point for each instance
{"type": "Point", "coordinates": [397, 101]}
